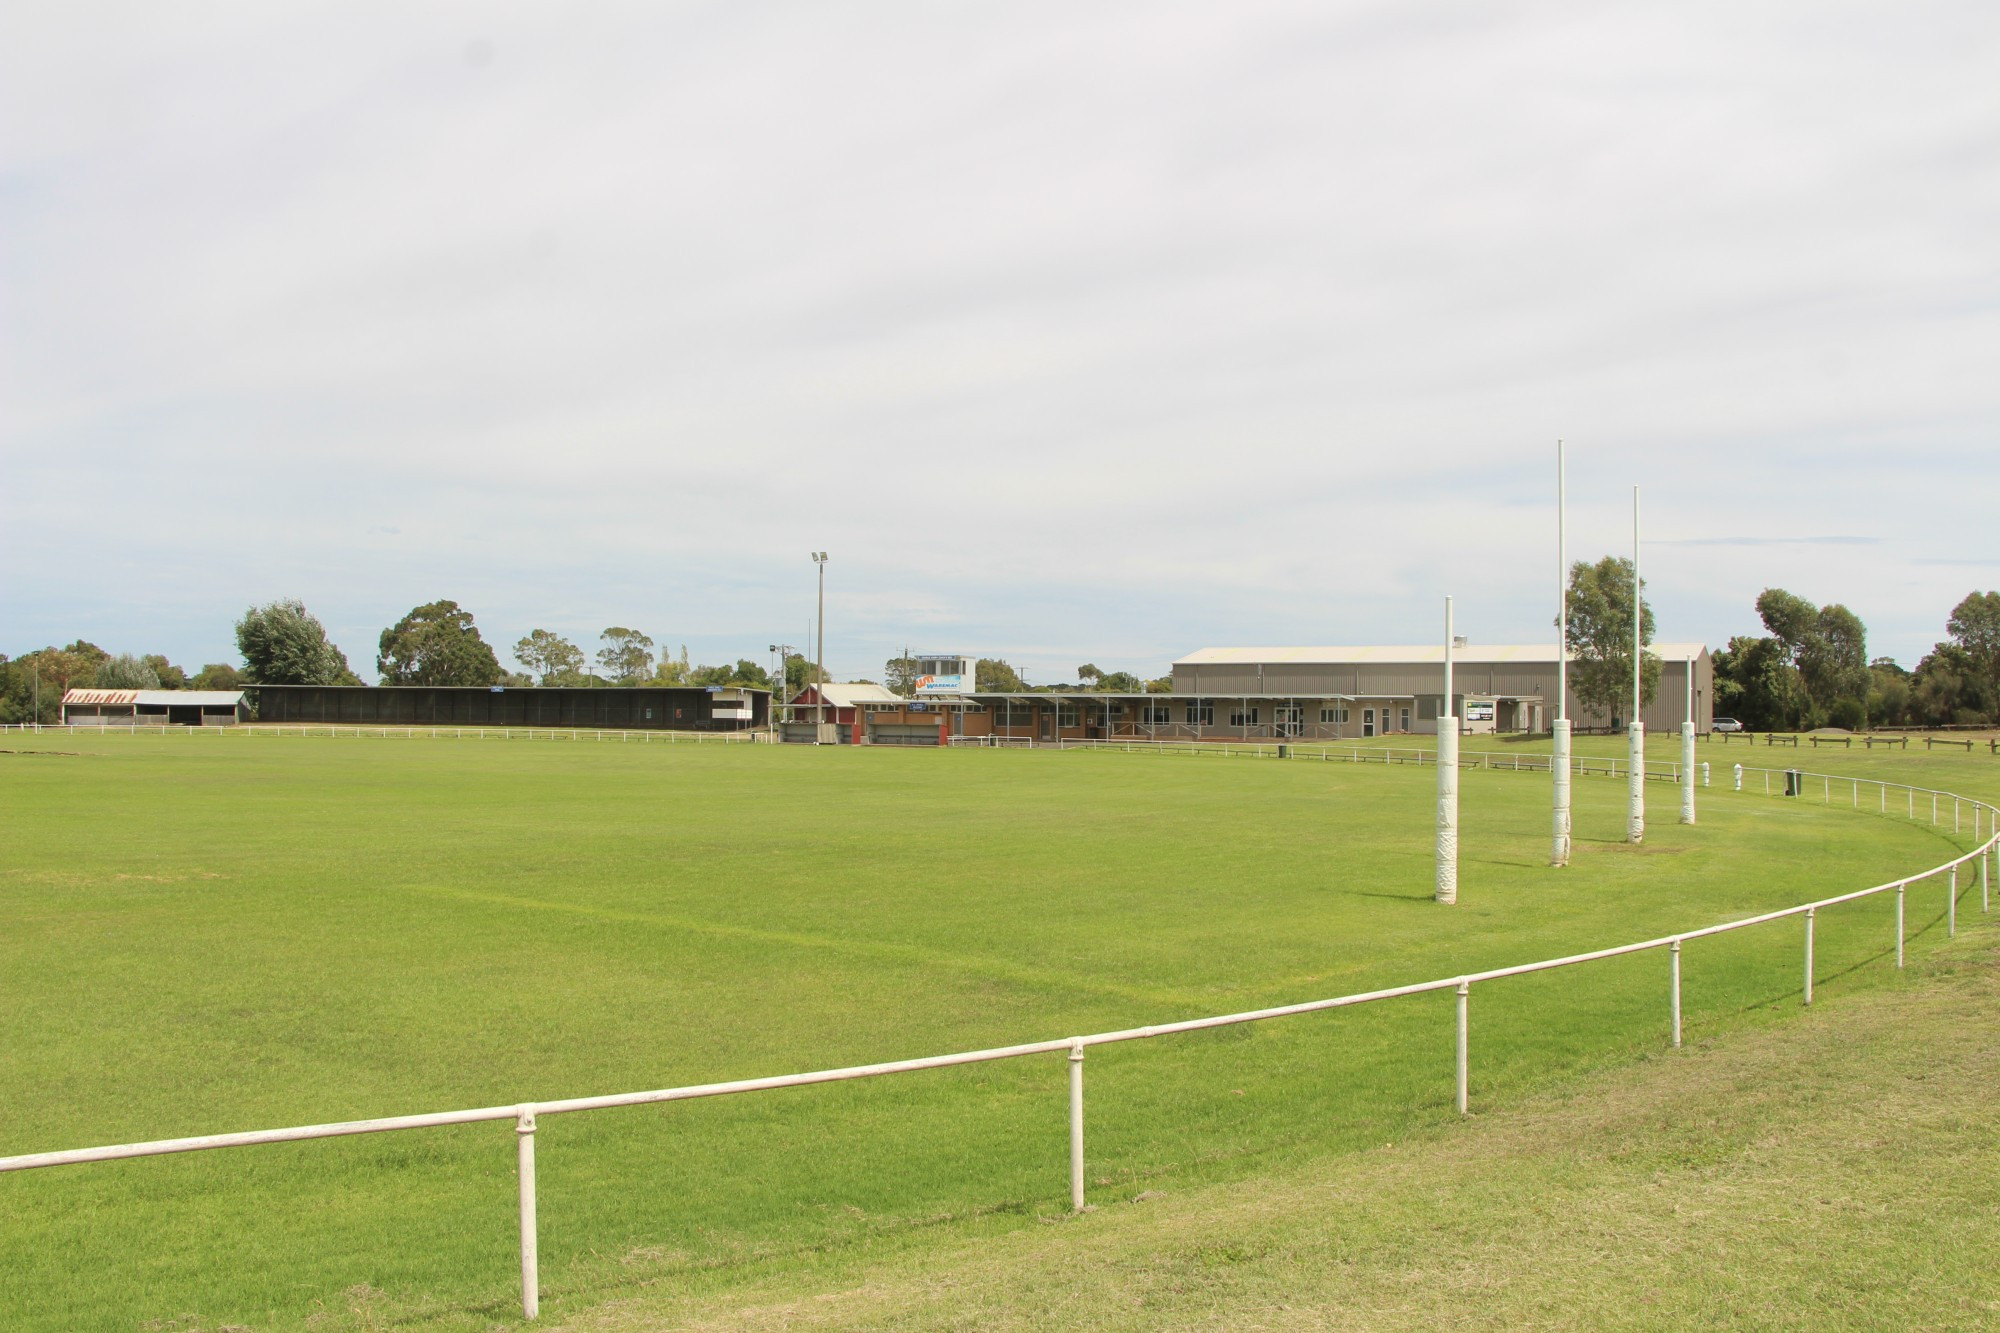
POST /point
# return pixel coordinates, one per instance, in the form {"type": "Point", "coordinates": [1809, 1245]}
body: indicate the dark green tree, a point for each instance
{"type": "Point", "coordinates": [1120, 682]}
{"type": "Point", "coordinates": [284, 644]}
{"type": "Point", "coordinates": [1975, 629]}
{"type": "Point", "coordinates": [1888, 693]}
{"type": "Point", "coordinates": [627, 655]}
{"type": "Point", "coordinates": [171, 676]}
{"type": "Point", "coordinates": [217, 676]}
{"type": "Point", "coordinates": [1756, 683]}
{"type": "Point", "coordinates": [436, 644]}
{"type": "Point", "coordinates": [550, 655]}
{"type": "Point", "coordinates": [993, 676]}
{"type": "Point", "coordinates": [126, 672]}
{"type": "Point", "coordinates": [1829, 646]}
{"type": "Point", "coordinates": [899, 674]}
{"type": "Point", "coordinates": [1600, 637]}
{"type": "Point", "coordinates": [1948, 689]}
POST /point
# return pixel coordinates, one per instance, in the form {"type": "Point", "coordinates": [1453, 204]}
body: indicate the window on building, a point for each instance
{"type": "Point", "coordinates": [1066, 715]}
{"type": "Point", "coordinates": [1406, 721]}
{"type": "Point", "coordinates": [1155, 715]}
{"type": "Point", "coordinates": [1336, 715]}
{"type": "Point", "coordinates": [1201, 714]}
{"type": "Point", "coordinates": [1239, 717]}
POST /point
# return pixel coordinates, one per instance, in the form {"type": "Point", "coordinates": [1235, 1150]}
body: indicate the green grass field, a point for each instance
{"type": "Point", "coordinates": [213, 933]}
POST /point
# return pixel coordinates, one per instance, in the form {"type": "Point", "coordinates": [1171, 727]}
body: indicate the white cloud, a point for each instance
{"type": "Point", "coordinates": [1075, 334]}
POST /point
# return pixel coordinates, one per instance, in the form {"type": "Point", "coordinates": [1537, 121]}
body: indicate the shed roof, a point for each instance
{"type": "Point", "coordinates": [152, 698]}
{"type": "Point", "coordinates": [1400, 654]}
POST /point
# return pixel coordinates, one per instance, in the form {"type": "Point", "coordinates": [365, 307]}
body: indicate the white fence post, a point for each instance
{"type": "Point", "coordinates": [1951, 907]}
{"type": "Point", "coordinates": [1464, 1065]}
{"type": "Point", "coordinates": [531, 1282]}
{"type": "Point", "coordinates": [1076, 1125]}
{"type": "Point", "coordinates": [1811, 913]}
{"type": "Point", "coordinates": [1899, 927]}
{"type": "Point", "coordinates": [1674, 973]}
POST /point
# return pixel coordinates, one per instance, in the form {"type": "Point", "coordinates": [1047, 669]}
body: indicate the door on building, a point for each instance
{"type": "Point", "coordinates": [1367, 722]}
{"type": "Point", "coordinates": [1045, 716]}
{"type": "Point", "coordinates": [1288, 721]}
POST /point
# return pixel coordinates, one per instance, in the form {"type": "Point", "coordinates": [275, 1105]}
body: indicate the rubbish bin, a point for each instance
{"type": "Point", "coordinates": [1284, 752]}
{"type": "Point", "coordinates": [1795, 782]}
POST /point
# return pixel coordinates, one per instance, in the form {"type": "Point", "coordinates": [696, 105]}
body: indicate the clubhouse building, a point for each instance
{"type": "Point", "coordinates": [1308, 694]}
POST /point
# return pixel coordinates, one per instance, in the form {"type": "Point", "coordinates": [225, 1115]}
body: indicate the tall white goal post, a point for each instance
{"type": "Point", "coordinates": [1447, 766]}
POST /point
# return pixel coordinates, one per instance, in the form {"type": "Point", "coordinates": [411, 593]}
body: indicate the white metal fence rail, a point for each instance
{"type": "Point", "coordinates": [525, 1115]}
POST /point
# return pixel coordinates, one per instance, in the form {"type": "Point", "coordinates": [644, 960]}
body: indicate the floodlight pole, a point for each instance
{"type": "Point", "coordinates": [783, 652]}
{"type": "Point", "coordinates": [1687, 751]}
{"type": "Point", "coordinates": [1559, 756]}
{"type": "Point", "coordinates": [1447, 765]}
{"type": "Point", "coordinates": [1635, 797]}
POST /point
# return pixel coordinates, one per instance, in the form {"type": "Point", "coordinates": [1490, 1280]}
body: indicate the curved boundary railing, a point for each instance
{"type": "Point", "coordinates": [524, 1115]}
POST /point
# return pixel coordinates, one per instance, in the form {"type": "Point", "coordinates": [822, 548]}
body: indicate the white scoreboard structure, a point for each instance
{"type": "Point", "coordinates": [944, 674]}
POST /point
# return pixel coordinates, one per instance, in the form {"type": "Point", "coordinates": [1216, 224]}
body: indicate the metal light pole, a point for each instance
{"type": "Point", "coordinates": [1635, 794]}
{"type": "Point", "coordinates": [819, 658]}
{"type": "Point", "coordinates": [783, 652]}
{"type": "Point", "coordinates": [1559, 757]}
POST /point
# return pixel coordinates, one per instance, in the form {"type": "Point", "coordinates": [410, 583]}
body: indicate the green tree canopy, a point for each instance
{"type": "Point", "coordinates": [1120, 682]}
{"type": "Point", "coordinates": [126, 672]}
{"type": "Point", "coordinates": [899, 674]}
{"type": "Point", "coordinates": [627, 655]}
{"type": "Point", "coordinates": [217, 676]}
{"type": "Point", "coordinates": [991, 675]}
{"type": "Point", "coordinates": [1827, 644]}
{"type": "Point", "coordinates": [436, 644]}
{"type": "Point", "coordinates": [284, 644]}
{"type": "Point", "coordinates": [548, 654]}
{"type": "Point", "coordinates": [1948, 688]}
{"type": "Point", "coordinates": [1756, 684]}
{"type": "Point", "coordinates": [1600, 636]}
{"type": "Point", "coordinates": [171, 676]}
{"type": "Point", "coordinates": [1974, 627]}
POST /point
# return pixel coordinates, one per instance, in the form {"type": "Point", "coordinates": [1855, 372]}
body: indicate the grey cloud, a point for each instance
{"type": "Point", "coordinates": [1130, 325]}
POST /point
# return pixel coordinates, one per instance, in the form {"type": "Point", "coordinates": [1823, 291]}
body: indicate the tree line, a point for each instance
{"type": "Point", "coordinates": [1812, 669]}
{"type": "Point", "coordinates": [438, 643]}
{"type": "Point", "coordinates": [993, 675]}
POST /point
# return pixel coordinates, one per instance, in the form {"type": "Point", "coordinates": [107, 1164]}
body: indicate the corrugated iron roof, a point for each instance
{"type": "Point", "coordinates": [152, 698]}
{"type": "Point", "coordinates": [1394, 654]}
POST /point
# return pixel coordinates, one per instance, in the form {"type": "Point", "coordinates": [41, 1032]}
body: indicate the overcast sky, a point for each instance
{"type": "Point", "coordinates": [1074, 332]}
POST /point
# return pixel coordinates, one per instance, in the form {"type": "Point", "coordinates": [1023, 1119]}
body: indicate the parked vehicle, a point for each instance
{"type": "Point", "coordinates": [1725, 724]}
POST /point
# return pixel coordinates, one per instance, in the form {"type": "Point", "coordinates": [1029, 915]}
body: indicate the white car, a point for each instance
{"type": "Point", "coordinates": [1725, 724]}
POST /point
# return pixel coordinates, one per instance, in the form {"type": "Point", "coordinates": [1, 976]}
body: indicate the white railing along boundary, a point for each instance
{"type": "Point", "coordinates": [525, 1114]}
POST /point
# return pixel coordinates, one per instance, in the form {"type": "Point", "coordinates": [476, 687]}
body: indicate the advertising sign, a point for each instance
{"type": "Point", "coordinates": [1478, 710]}
{"type": "Point", "coordinates": [941, 685]}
